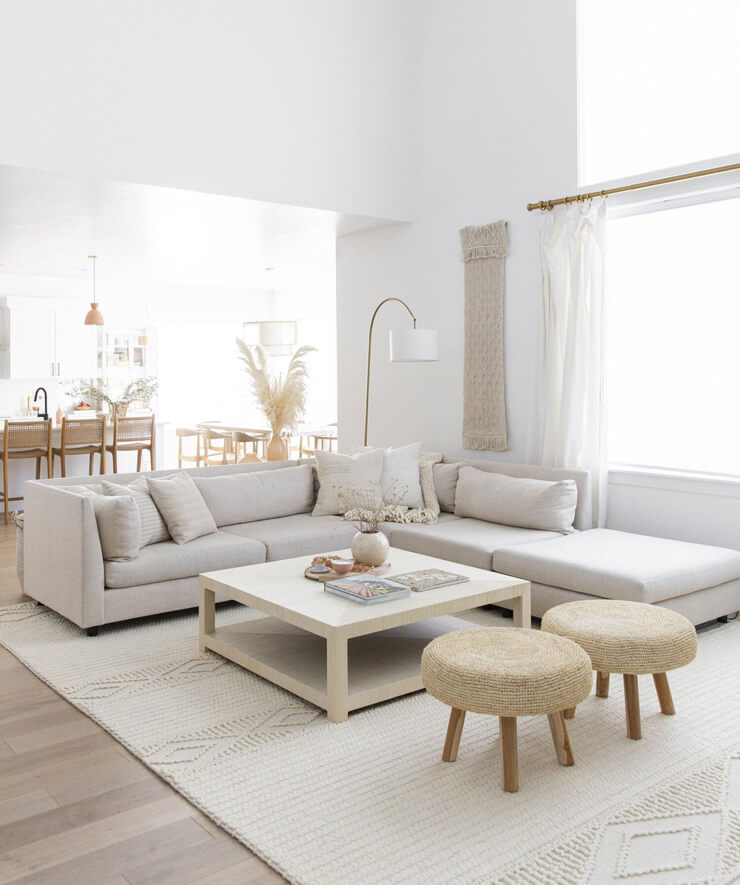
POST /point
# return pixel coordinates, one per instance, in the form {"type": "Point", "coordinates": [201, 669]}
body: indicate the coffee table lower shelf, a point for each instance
{"type": "Point", "coordinates": [380, 665]}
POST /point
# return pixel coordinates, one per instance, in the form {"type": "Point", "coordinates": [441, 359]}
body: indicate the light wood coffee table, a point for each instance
{"type": "Point", "coordinates": [338, 654]}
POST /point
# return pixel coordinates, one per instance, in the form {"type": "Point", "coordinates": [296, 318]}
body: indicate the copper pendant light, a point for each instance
{"type": "Point", "coordinates": [94, 316]}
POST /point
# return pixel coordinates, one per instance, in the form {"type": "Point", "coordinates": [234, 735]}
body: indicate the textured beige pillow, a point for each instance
{"type": "Point", "coordinates": [511, 500]}
{"type": "Point", "coordinates": [445, 483]}
{"type": "Point", "coordinates": [119, 527]}
{"type": "Point", "coordinates": [427, 461]}
{"type": "Point", "coordinates": [153, 527]}
{"type": "Point", "coordinates": [347, 481]}
{"type": "Point", "coordinates": [182, 506]}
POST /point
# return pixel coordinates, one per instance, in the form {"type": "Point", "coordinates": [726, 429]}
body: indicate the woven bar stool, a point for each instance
{"type": "Point", "coordinates": [82, 436]}
{"type": "Point", "coordinates": [631, 638]}
{"type": "Point", "coordinates": [23, 440]}
{"type": "Point", "coordinates": [506, 672]}
{"type": "Point", "coordinates": [133, 435]}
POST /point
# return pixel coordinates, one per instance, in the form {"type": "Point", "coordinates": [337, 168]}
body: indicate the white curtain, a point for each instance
{"type": "Point", "coordinates": [567, 425]}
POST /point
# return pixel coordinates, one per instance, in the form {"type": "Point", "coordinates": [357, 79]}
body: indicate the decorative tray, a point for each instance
{"type": "Point", "coordinates": [332, 575]}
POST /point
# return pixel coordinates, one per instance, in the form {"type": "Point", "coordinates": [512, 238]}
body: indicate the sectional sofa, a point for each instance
{"type": "Point", "coordinates": [263, 512]}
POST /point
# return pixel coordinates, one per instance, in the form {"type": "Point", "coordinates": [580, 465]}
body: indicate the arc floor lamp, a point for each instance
{"type": "Point", "coordinates": [407, 346]}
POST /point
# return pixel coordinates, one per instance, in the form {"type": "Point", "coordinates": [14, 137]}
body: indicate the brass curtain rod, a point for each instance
{"type": "Point", "coordinates": [577, 198]}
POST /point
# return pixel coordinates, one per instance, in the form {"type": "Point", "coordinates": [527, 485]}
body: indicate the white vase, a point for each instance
{"type": "Point", "coordinates": [370, 548]}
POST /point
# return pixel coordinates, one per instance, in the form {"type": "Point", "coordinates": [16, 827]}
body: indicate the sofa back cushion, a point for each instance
{"type": "Point", "coordinates": [509, 500]}
{"type": "Point", "coordinates": [265, 494]}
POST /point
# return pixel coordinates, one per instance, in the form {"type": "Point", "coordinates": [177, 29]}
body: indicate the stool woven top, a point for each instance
{"type": "Point", "coordinates": [625, 637]}
{"type": "Point", "coordinates": [506, 671]}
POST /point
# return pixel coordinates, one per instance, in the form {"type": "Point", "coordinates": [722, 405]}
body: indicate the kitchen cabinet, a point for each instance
{"type": "Point", "coordinates": [45, 338]}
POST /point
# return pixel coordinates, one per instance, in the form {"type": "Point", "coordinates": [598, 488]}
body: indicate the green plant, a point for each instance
{"type": "Point", "coordinates": [283, 400]}
{"type": "Point", "coordinates": [139, 390]}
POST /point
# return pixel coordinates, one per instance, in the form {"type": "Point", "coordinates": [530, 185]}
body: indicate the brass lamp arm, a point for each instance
{"type": "Point", "coordinates": [370, 347]}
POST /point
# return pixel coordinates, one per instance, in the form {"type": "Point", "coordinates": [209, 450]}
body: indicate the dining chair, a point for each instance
{"type": "Point", "coordinates": [25, 440]}
{"type": "Point", "coordinates": [183, 433]}
{"type": "Point", "coordinates": [82, 436]}
{"type": "Point", "coordinates": [133, 435]}
{"type": "Point", "coordinates": [217, 446]}
{"type": "Point", "coordinates": [240, 441]}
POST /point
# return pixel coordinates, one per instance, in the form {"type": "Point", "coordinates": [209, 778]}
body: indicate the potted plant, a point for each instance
{"type": "Point", "coordinates": [282, 399]}
{"type": "Point", "coordinates": [140, 390]}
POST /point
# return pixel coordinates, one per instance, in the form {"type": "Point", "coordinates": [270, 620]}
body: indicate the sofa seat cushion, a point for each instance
{"type": "Point", "coordinates": [168, 561]}
{"type": "Point", "coordinates": [298, 535]}
{"type": "Point", "coordinates": [467, 541]}
{"type": "Point", "coordinates": [620, 565]}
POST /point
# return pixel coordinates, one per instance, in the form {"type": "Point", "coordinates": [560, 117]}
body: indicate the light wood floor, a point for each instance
{"type": "Point", "coordinates": [75, 806]}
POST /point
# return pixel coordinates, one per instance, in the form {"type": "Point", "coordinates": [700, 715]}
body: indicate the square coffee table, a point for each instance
{"type": "Point", "coordinates": [335, 653]}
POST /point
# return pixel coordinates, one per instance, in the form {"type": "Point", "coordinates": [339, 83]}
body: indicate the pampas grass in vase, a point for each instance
{"type": "Point", "coordinates": [282, 399]}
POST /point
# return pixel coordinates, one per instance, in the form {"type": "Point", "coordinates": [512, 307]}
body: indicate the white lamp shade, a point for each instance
{"type": "Point", "coordinates": [414, 345]}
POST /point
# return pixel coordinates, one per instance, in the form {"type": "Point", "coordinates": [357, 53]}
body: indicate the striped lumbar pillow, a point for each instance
{"type": "Point", "coordinates": [153, 527]}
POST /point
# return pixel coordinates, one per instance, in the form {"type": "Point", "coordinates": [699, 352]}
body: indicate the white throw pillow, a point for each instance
{"type": "Point", "coordinates": [153, 527]}
{"type": "Point", "coordinates": [182, 506]}
{"type": "Point", "coordinates": [511, 500]}
{"type": "Point", "coordinates": [119, 527]}
{"type": "Point", "coordinates": [400, 481]}
{"type": "Point", "coordinates": [348, 481]}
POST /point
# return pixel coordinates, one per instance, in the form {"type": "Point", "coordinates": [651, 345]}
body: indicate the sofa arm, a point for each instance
{"type": "Point", "coordinates": [63, 559]}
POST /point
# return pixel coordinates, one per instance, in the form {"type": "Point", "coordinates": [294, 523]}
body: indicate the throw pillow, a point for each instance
{"type": "Point", "coordinates": [182, 506]}
{"type": "Point", "coordinates": [511, 500]}
{"type": "Point", "coordinates": [119, 527]}
{"type": "Point", "coordinates": [445, 484]}
{"type": "Point", "coordinates": [426, 479]}
{"type": "Point", "coordinates": [153, 527]}
{"type": "Point", "coordinates": [400, 481]}
{"type": "Point", "coordinates": [347, 481]}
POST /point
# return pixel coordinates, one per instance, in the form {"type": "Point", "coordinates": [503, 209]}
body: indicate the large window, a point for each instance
{"type": "Point", "coordinates": [659, 85]}
{"type": "Point", "coordinates": [673, 321]}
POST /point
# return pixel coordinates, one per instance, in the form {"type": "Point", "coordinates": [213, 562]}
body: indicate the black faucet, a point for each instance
{"type": "Point", "coordinates": [45, 413]}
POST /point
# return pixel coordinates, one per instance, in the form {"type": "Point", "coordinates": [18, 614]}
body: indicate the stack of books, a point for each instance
{"type": "Point", "coordinates": [366, 589]}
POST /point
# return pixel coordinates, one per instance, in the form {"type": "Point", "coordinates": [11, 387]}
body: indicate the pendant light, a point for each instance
{"type": "Point", "coordinates": [94, 316]}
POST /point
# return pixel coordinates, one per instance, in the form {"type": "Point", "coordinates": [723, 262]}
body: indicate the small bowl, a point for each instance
{"type": "Point", "coordinates": [320, 569]}
{"type": "Point", "coordinates": [342, 566]}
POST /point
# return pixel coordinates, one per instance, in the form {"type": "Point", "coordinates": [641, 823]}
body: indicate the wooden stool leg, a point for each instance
{"type": "Point", "coordinates": [602, 684]}
{"type": "Point", "coordinates": [91, 463]}
{"type": "Point", "coordinates": [570, 713]}
{"type": "Point", "coordinates": [632, 706]}
{"type": "Point", "coordinates": [38, 468]}
{"type": "Point", "coordinates": [5, 487]}
{"type": "Point", "coordinates": [454, 731]}
{"type": "Point", "coordinates": [63, 459]}
{"type": "Point", "coordinates": [560, 738]}
{"type": "Point", "coordinates": [664, 694]}
{"type": "Point", "coordinates": [509, 754]}
{"type": "Point", "coordinates": [138, 460]}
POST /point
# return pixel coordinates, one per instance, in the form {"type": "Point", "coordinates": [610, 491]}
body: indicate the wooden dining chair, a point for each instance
{"type": "Point", "coordinates": [240, 441]}
{"type": "Point", "coordinates": [217, 447]}
{"type": "Point", "coordinates": [133, 435]}
{"type": "Point", "coordinates": [183, 433]}
{"type": "Point", "coordinates": [25, 440]}
{"type": "Point", "coordinates": [82, 436]}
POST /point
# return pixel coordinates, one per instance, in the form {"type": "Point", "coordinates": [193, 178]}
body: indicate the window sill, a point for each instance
{"type": "Point", "coordinates": [718, 485]}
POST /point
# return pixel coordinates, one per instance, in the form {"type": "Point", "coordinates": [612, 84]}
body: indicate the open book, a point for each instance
{"type": "Point", "coordinates": [428, 579]}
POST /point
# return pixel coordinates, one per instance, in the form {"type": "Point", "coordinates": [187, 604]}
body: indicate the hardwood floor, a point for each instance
{"type": "Point", "coordinates": [75, 806]}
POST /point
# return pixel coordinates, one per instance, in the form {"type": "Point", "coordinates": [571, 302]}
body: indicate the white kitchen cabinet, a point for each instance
{"type": "Point", "coordinates": [45, 338]}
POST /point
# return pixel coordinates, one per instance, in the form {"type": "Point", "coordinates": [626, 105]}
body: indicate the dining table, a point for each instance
{"type": "Point", "coordinates": [321, 435]}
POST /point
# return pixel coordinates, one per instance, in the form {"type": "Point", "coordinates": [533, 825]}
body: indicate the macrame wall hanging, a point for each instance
{"type": "Point", "coordinates": [484, 251]}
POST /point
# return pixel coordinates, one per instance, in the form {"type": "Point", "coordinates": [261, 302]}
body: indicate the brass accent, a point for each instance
{"type": "Point", "coordinates": [639, 185]}
{"type": "Point", "coordinates": [369, 349]}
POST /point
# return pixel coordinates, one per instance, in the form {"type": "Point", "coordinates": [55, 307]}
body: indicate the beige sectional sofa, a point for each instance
{"type": "Point", "coordinates": [263, 512]}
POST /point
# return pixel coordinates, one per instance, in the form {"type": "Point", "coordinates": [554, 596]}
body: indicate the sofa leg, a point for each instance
{"type": "Point", "coordinates": [722, 619]}
{"type": "Point", "coordinates": [92, 631]}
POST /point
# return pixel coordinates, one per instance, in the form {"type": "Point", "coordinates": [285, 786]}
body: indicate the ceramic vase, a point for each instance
{"type": "Point", "coordinates": [276, 449]}
{"type": "Point", "coordinates": [370, 548]}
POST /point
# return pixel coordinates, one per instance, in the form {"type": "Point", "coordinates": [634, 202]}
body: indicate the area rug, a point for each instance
{"type": "Point", "coordinates": [369, 800]}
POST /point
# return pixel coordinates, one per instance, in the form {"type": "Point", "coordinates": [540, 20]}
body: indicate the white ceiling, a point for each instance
{"type": "Point", "coordinates": [50, 223]}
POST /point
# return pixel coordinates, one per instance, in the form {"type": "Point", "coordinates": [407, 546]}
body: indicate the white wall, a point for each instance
{"type": "Point", "coordinates": [496, 113]}
{"type": "Point", "coordinates": [287, 101]}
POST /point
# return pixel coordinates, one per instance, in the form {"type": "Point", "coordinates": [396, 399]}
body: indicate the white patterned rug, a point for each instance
{"type": "Point", "coordinates": [369, 801]}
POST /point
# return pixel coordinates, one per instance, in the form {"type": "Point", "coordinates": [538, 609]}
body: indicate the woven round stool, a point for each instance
{"type": "Point", "coordinates": [631, 638]}
{"type": "Point", "coordinates": [506, 672]}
